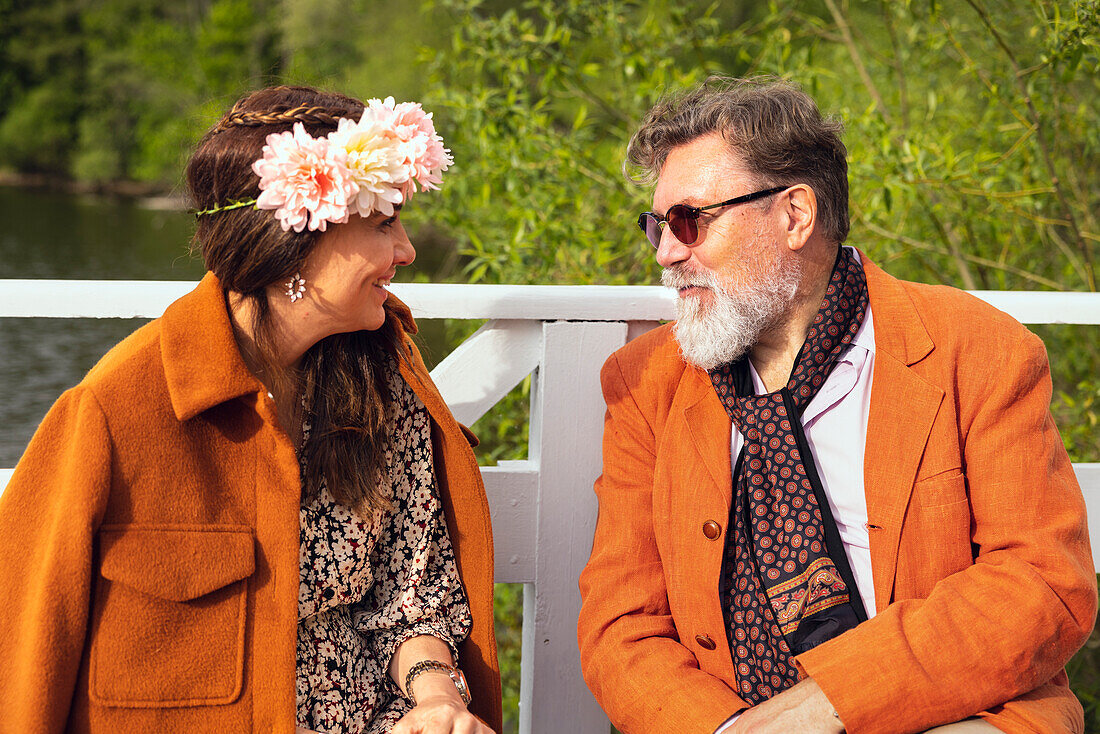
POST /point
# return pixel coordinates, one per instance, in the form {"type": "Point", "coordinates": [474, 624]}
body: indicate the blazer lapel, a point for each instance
{"type": "Point", "coordinates": [710, 430]}
{"type": "Point", "coordinates": [703, 494]}
{"type": "Point", "coordinates": [903, 408]}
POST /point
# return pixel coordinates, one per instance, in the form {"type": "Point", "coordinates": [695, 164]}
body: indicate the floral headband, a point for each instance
{"type": "Point", "coordinates": [360, 168]}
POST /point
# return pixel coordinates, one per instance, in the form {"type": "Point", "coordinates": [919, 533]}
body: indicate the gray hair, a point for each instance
{"type": "Point", "coordinates": [773, 128]}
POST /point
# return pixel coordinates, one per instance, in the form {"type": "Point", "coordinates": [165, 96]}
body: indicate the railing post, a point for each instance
{"type": "Point", "coordinates": [566, 420]}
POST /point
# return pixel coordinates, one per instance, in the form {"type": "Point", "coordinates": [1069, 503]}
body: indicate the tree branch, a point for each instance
{"type": "Point", "coordinates": [899, 69]}
{"type": "Point", "coordinates": [857, 59]}
{"type": "Point", "coordinates": [1044, 148]}
{"type": "Point", "coordinates": [928, 247]}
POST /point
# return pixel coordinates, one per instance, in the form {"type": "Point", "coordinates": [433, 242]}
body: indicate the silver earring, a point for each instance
{"type": "Point", "coordinates": [296, 288]}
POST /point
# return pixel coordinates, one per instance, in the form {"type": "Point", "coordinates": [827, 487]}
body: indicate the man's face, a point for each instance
{"type": "Point", "coordinates": [738, 279]}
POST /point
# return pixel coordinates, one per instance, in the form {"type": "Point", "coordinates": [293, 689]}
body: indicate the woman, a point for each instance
{"type": "Point", "coordinates": [256, 513]}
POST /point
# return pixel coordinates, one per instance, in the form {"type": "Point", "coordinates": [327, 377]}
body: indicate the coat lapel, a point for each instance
{"type": "Point", "coordinates": [903, 408]}
{"type": "Point", "coordinates": [202, 364]}
{"type": "Point", "coordinates": [702, 495]}
{"type": "Point", "coordinates": [710, 430]}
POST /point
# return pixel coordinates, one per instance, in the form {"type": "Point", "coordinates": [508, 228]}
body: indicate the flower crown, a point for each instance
{"type": "Point", "coordinates": [360, 168]}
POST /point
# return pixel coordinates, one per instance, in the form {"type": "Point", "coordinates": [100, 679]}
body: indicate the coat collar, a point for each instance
{"type": "Point", "coordinates": [202, 364]}
{"type": "Point", "coordinates": [899, 330]}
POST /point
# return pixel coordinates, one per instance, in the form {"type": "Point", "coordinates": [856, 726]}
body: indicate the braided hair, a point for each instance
{"type": "Point", "coordinates": [306, 114]}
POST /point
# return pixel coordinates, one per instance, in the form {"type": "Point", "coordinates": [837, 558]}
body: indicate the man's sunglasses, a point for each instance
{"type": "Point", "coordinates": [683, 220]}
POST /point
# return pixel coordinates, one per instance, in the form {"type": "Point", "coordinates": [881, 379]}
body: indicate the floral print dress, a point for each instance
{"type": "Point", "coordinates": [370, 583]}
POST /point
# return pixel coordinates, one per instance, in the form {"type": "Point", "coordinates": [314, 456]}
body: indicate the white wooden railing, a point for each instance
{"type": "Point", "coordinates": [543, 508]}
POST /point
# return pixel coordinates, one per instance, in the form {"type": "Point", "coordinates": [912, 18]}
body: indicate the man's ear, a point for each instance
{"type": "Point", "coordinates": [800, 210]}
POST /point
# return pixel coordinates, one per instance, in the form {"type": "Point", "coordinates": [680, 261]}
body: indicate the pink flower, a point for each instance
{"type": "Point", "coordinates": [424, 156]}
{"type": "Point", "coordinates": [360, 168]}
{"type": "Point", "coordinates": [375, 162]}
{"type": "Point", "coordinates": [305, 180]}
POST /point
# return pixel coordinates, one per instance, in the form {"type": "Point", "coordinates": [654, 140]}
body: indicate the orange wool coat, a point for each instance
{"type": "Point", "coordinates": [149, 543]}
{"type": "Point", "coordinates": [980, 555]}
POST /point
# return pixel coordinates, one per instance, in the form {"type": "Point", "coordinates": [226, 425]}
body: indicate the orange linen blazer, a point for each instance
{"type": "Point", "coordinates": [149, 543]}
{"type": "Point", "coordinates": [980, 555]}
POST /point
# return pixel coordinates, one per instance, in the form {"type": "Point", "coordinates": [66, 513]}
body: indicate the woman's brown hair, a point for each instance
{"type": "Point", "coordinates": [342, 378]}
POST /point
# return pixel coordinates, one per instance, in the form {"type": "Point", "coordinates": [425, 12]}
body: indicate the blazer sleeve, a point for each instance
{"type": "Point", "coordinates": [48, 515]}
{"type": "Point", "coordinates": [631, 655]}
{"type": "Point", "coordinates": [1007, 624]}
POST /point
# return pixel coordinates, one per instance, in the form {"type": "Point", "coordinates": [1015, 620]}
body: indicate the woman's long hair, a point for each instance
{"type": "Point", "coordinates": [341, 379]}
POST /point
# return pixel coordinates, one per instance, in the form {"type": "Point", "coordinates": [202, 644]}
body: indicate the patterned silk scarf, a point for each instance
{"type": "Point", "coordinates": [786, 585]}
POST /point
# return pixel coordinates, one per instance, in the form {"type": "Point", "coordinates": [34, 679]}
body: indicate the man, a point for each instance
{"type": "Point", "coordinates": [930, 565]}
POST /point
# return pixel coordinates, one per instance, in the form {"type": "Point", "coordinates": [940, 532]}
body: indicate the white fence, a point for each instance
{"type": "Point", "coordinates": [543, 509]}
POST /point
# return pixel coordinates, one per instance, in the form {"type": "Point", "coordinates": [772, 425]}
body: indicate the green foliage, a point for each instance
{"type": "Point", "coordinates": [970, 157]}
{"type": "Point", "coordinates": [231, 44]}
{"type": "Point", "coordinates": [321, 39]}
{"type": "Point", "coordinates": [38, 135]}
{"type": "Point", "coordinates": [549, 92]}
{"type": "Point", "coordinates": [1075, 353]}
{"type": "Point", "coordinates": [40, 62]}
{"type": "Point", "coordinates": [1076, 413]}
{"type": "Point", "coordinates": [508, 613]}
{"type": "Point", "coordinates": [117, 89]}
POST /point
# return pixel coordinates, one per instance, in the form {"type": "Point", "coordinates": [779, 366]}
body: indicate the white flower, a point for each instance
{"type": "Point", "coordinates": [375, 162]}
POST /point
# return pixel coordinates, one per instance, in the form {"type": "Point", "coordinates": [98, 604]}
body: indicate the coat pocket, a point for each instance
{"type": "Point", "coordinates": [945, 488]}
{"type": "Point", "coordinates": [935, 539]}
{"type": "Point", "coordinates": [168, 622]}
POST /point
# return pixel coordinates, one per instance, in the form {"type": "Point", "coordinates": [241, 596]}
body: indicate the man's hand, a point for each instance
{"type": "Point", "coordinates": [802, 708]}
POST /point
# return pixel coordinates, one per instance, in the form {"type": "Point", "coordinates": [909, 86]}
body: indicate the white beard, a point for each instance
{"type": "Point", "coordinates": [738, 314]}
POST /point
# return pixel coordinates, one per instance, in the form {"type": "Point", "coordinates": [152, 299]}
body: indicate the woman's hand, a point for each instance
{"type": "Point", "coordinates": [439, 708]}
{"type": "Point", "coordinates": [441, 714]}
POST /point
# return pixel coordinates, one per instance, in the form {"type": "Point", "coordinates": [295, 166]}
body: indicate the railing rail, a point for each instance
{"type": "Point", "coordinates": [543, 508]}
{"type": "Point", "coordinates": [149, 298]}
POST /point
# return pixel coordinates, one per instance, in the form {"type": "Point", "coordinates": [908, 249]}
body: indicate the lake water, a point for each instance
{"type": "Point", "coordinates": [61, 235]}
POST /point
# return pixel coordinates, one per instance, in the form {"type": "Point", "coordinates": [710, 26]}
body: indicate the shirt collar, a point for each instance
{"type": "Point", "coordinates": [865, 336]}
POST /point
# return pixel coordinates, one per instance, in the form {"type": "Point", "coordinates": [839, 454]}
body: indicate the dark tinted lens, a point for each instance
{"type": "Point", "coordinates": [683, 223]}
{"type": "Point", "coordinates": [652, 228]}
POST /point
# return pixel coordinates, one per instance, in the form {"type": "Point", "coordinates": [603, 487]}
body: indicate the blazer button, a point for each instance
{"type": "Point", "coordinates": [712, 530]}
{"type": "Point", "coordinates": [705, 642]}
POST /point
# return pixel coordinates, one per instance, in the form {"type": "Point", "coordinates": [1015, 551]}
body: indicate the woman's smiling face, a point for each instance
{"type": "Point", "coordinates": [347, 272]}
